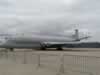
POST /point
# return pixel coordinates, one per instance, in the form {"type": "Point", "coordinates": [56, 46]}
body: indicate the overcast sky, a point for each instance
{"type": "Point", "coordinates": [50, 16]}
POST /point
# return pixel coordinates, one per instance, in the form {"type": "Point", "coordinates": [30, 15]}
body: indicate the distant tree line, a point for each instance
{"type": "Point", "coordinates": [84, 45]}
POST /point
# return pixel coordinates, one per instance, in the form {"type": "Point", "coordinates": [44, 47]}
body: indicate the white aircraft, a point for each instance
{"type": "Point", "coordinates": [38, 40]}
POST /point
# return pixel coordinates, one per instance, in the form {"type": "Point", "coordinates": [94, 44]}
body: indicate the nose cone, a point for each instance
{"type": "Point", "coordinates": [2, 41]}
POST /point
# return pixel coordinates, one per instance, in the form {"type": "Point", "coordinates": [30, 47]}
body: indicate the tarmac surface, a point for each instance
{"type": "Point", "coordinates": [77, 61]}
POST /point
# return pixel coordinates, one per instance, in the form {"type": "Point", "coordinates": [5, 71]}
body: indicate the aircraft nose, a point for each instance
{"type": "Point", "coordinates": [2, 41]}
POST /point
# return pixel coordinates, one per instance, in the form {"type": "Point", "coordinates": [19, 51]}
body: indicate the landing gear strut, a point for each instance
{"type": "Point", "coordinates": [43, 46]}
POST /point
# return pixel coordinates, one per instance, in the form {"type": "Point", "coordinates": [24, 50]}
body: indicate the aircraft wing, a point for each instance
{"type": "Point", "coordinates": [54, 45]}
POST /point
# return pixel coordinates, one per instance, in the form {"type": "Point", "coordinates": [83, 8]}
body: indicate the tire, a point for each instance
{"type": "Point", "coordinates": [59, 48]}
{"type": "Point", "coordinates": [43, 48]}
{"type": "Point", "coordinates": [11, 49]}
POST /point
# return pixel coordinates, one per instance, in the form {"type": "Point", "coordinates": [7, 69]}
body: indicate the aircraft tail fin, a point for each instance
{"type": "Point", "coordinates": [78, 38]}
{"type": "Point", "coordinates": [76, 34]}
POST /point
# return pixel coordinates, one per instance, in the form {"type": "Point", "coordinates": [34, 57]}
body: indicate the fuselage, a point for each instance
{"type": "Point", "coordinates": [32, 41]}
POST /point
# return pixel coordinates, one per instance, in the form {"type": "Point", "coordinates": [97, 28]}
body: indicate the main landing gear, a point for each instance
{"type": "Point", "coordinates": [11, 49]}
{"type": "Point", "coordinates": [59, 48]}
{"type": "Point", "coordinates": [43, 48]}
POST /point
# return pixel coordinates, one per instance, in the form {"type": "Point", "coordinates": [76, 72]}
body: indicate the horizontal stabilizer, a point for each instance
{"type": "Point", "coordinates": [82, 38]}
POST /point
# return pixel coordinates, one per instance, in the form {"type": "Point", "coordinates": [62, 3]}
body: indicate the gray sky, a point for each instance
{"type": "Point", "coordinates": [50, 16]}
